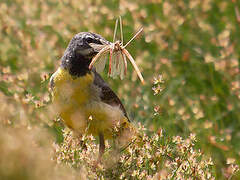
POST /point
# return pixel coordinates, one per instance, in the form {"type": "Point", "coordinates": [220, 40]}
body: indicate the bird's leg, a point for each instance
{"type": "Point", "coordinates": [101, 146]}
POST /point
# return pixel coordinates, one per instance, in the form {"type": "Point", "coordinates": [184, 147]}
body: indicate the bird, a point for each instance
{"type": "Point", "coordinates": [84, 101]}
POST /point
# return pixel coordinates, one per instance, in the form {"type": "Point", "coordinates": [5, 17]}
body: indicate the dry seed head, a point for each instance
{"type": "Point", "coordinates": [119, 50]}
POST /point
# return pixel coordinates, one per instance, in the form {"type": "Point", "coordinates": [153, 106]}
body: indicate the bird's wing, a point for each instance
{"type": "Point", "coordinates": [107, 94]}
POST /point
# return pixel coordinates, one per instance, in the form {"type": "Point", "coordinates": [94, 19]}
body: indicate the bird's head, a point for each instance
{"type": "Point", "coordinates": [80, 51]}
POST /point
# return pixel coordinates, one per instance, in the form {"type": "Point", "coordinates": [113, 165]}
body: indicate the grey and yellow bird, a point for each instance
{"type": "Point", "coordinates": [82, 98]}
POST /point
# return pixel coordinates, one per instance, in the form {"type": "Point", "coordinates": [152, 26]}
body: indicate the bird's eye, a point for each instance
{"type": "Point", "coordinates": [89, 40]}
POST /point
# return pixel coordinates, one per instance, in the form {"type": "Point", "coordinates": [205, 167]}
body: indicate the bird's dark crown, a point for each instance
{"type": "Point", "coordinates": [80, 52]}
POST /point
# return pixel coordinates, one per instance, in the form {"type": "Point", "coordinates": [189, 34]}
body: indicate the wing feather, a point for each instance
{"type": "Point", "coordinates": [107, 94]}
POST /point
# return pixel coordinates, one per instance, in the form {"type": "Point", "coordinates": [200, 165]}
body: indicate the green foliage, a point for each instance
{"type": "Point", "coordinates": [192, 44]}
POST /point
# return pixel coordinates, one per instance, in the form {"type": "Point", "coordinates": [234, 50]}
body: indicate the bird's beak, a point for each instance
{"type": "Point", "coordinates": [97, 47]}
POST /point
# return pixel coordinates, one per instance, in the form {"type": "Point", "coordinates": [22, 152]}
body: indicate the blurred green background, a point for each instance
{"type": "Point", "coordinates": [194, 45]}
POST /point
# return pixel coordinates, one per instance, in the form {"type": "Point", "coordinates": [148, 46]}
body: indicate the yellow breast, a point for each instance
{"type": "Point", "coordinates": [70, 96]}
{"type": "Point", "coordinates": [67, 88]}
